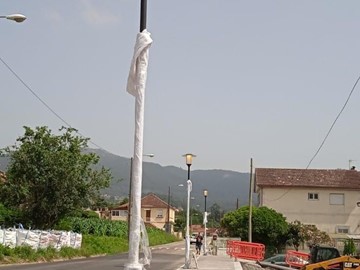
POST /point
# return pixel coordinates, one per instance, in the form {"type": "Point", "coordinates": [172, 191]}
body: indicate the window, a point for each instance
{"type": "Point", "coordinates": [342, 229]}
{"type": "Point", "coordinates": [159, 213]}
{"type": "Point", "coordinates": [313, 196]}
{"type": "Point", "coordinates": [336, 199]}
{"type": "Point", "coordinates": [123, 213]}
{"type": "Point", "coordinates": [115, 213]}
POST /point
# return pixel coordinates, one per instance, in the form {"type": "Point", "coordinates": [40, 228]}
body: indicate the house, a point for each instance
{"type": "Point", "coordinates": [154, 211]}
{"type": "Point", "coordinates": [103, 212]}
{"type": "Point", "coordinates": [329, 199]}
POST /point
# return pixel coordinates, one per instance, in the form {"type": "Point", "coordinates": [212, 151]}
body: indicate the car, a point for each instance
{"type": "Point", "coordinates": [280, 259]}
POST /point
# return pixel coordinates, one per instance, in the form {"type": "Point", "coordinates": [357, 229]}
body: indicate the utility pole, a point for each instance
{"type": "Point", "coordinates": [129, 202]}
{"type": "Point", "coordinates": [250, 200]}
{"type": "Point", "coordinates": [168, 227]}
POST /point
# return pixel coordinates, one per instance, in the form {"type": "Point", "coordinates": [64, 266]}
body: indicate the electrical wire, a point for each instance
{"type": "Point", "coordinates": [324, 140]}
{"type": "Point", "coordinates": [333, 124]}
{"type": "Point", "coordinates": [45, 104]}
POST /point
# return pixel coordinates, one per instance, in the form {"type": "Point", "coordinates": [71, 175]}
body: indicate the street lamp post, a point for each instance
{"type": "Point", "coordinates": [205, 221]}
{"type": "Point", "coordinates": [130, 188]}
{"type": "Point", "coordinates": [14, 17]}
{"type": "Point", "coordinates": [188, 158]}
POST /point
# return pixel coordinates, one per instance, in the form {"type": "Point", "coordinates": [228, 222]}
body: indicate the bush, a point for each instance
{"type": "Point", "coordinates": [349, 247]}
{"type": "Point", "coordinates": [9, 217]}
{"type": "Point", "coordinates": [98, 227]}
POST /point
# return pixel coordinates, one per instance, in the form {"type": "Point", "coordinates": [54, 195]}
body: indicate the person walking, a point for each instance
{"type": "Point", "coordinates": [214, 244]}
{"type": "Point", "coordinates": [198, 243]}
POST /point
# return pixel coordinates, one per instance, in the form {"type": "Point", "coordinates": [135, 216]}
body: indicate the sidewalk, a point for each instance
{"type": "Point", "coordinates": [222, 261]}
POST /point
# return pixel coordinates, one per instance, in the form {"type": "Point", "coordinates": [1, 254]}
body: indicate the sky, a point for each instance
{"type": "Point", "coordinates": [228, 80]}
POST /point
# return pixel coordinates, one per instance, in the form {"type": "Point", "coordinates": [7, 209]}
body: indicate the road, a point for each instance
{"type": "Point", "coordinates": [164, 257]}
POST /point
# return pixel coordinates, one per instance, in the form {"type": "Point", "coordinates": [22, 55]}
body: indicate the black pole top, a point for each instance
{"type": "Point", "coordinates": [143, 11]}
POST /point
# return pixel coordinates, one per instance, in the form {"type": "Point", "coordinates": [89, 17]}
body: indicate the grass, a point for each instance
{"type": "Point", "coordinates": [91, 245]}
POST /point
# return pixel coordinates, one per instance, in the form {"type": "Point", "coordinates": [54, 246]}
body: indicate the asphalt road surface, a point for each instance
{"type": "Point", "coordinates": [164, 257]}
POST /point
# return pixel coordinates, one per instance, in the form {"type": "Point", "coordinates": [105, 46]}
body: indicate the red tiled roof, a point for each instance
{"type": "Point", "coordinates": [149, 201]}
{"type": "Point", "coordinates": [346, 179]}
{"type": "Point", "coordinates": [153, 201]}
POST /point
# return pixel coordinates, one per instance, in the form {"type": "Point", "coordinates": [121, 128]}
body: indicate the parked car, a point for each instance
{"type": "Point", "coordinates": [280, 259]}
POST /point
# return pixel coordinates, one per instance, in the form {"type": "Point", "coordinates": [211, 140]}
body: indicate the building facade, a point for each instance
{"type": "Point", "coordinates": [154, 211]}
{"type": "Point", "coordinates": [329, 199]}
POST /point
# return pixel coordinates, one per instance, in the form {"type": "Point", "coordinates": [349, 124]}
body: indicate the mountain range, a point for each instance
{"type": "Point", "coordinates": [228, 189]}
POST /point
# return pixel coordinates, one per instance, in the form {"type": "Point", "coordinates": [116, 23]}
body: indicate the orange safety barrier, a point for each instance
{"type": "Point", "coordinates": [245, 250]}
{"type": "Point", "coordinates": [296, 258]}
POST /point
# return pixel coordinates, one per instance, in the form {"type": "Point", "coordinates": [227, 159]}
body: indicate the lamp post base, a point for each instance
{"type": "Point", "coordinates": [133, 266]}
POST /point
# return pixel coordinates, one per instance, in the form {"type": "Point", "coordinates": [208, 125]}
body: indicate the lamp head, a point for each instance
{"type": "Point", "coordinates": [205, 192]}
{"type": "Point", "coordinates": [16, 17]}
{"type": "Point", "coordinates": [188, 158]}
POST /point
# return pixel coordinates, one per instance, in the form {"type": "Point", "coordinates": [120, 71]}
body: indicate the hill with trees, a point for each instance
{"type": "Point", "coordinates": [226, 188]}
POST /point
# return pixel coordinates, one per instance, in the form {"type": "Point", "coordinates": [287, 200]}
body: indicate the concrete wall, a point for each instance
{"type": "Point", "coordinates": [294, 204]}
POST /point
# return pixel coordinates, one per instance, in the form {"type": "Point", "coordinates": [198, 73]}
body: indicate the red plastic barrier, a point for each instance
{"type": "Point", "coordinates": [245, 250]}
{"type": "Point", "coordinates": [296, 258]}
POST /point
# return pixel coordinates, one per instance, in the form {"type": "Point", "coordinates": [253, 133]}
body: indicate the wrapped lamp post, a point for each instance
{"type": "Point", "coordinates": [205, 221]}
{"type": "Point", "coordinates": [136, 87]}
{"type": "Point", "coordinates": [187, 235]}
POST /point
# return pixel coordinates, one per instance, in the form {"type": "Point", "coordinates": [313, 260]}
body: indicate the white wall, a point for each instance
{"type": "Point", "coordinates": [293, 203]}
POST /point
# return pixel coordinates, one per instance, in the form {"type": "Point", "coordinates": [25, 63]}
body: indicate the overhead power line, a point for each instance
{"type": "Point", "coordinates": [333, 124]}
{"type": "Point", "coordinates": [324, 140]}
{"type": "Point", "coordinates": [44, 103]}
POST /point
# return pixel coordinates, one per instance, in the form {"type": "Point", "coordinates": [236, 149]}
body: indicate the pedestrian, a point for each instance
{"type": "Point", "coordinates": [214, 244]}
{"type": "Point", "coordinates": [198, 243]}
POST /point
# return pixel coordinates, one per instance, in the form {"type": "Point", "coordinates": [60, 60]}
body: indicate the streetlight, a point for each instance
{"type": "Point", "coordinates": [130, 187]}
{"type": "Point", "coordinates": [168, 226]}
{"type": "Point", "coordinates": [188, 158]}
{"type": "Point", "coordinates": [205, 221]}
{"type": "Point", "coordinates": [14, 17]}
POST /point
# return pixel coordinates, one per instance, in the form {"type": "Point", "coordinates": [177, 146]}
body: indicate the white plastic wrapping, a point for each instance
{"type": "Point", "coordinates": [144, 245]}
{"type": "Point", "coordinates": [136, 87]}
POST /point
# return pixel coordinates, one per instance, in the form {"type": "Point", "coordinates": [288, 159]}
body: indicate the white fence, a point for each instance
{"type": "Point", "coordinates": [39, 239]}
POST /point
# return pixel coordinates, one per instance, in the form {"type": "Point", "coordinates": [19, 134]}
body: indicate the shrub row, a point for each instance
{"type": "Point", "coordinates": [94, 226]}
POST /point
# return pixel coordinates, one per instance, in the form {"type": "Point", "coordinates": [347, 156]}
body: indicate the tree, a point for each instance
{"type": "Point", "coordinates": [311, 235]}
{"type": "Point", "coordinates": [269, 226]}
{"type": "Point", "coordinates": [295, 237]}
{"type": "Point", "coordinates": [306, 233]}
{"type": "Point", "coordinates": [215, 214]}
{"type": "Point", "coordinates": [180, 221]}
{"type": "Point", "coordinates": [50, 176]}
